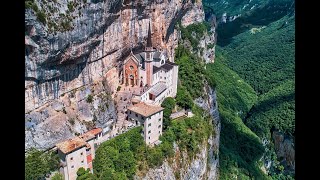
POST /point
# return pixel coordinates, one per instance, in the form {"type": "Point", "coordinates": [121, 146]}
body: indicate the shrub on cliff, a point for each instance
{"type": "Point", "coordinates": [183, 98]}
{"type": "Point", "coordinates": [168, 104]}
{"type": "Point", "coordinates": [89, 98]}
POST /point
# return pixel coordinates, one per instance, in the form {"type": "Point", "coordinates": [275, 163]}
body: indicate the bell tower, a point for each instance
{"type": "Point", "coordinates": [149, 58]}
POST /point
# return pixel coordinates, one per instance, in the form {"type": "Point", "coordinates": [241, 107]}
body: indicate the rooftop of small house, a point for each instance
{"type": "Point", "coordinates": [78, 141]}
{"type": "Point", "coordinates": [90, 134]}
{"type": "Point", "coordinates": [71, 145]}
{"type": "Point", "coordinates": [144, 109]}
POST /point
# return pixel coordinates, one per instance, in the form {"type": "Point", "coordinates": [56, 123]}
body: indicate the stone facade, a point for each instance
{"type": "Point", "coordinates": [150, 118]}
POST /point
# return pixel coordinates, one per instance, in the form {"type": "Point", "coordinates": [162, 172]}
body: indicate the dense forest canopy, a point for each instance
{"type": "Point", "coordinates": [256, 50]}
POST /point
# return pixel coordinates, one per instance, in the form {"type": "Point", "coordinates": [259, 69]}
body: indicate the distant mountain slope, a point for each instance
{"type": "Point", "coordinates": [259, 48]}
{"type": "Point", "coordinates": [233, 7]}
{"type": "Point", "coordinates": [237, 21]}
{"type": "Point", "coordinates": [264, 56]}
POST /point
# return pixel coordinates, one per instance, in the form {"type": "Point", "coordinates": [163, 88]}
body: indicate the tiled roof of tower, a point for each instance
{"type": "Point", "coordinates": [145, 109]}
{"type": "Point", "coordinates": [71, 145]}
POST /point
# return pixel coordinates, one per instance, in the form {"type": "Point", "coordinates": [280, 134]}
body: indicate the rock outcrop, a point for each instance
{"type": "Point", "coordinates": [284, 147]}
{"type": "Point", "coordinates": [71, 47]}
{"type": "Point", "coordinates": [195, 15]}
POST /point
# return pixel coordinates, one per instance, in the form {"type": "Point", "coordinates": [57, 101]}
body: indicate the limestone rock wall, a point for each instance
{"type": "Point", "coordinates": [79, 44]}
{"type": "Point", "coordinates": [195, 15]}
{"type": "Point", "coordinates": [284, 147]}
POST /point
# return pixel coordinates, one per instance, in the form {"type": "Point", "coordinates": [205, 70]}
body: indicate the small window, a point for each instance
{"type": "Point", "coordinates": [83, 161]}
{"type": "Point", "coordinates": [160, 77]}
{"type": "Point", "coordinates": [149, 124]}
{"type": "Point", "coordinates": [129, 112]}
{"type": "Point", "coordinates": [72, 166]}
{"type": "Point", "coordinates": [149, 132]}
{"type": "Point", "coordinates": [165, 78]}
{"type": "Point", "coordinates": [81, 153]}
{"type": "Point", "coordinates": [136, 115]}
{"type": "Point", "coordinates": [159, 119]}
{"type": "Point", "coordinates": [159, 132]}
{"type": "Point", "coordinates": [159, 126]}
{"type": "Point", "coordinates": [149, 137]}
{"type": "Point", "coordinates": [71, 158]}
{"type": "Point", "coordinates": [142, 118]}
{"type": "Point", "coordinates": [131, 67]}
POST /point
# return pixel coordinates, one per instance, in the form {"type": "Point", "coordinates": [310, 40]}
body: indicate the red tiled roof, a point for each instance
{"type": "Point", "coordinates": [77, 142]}
{"type": "Point", "coordinates": [90, 134]}
{"type": "Point", "coordinates": [145, 109]}
{"type": "Point", "coordinates": [70, 145]}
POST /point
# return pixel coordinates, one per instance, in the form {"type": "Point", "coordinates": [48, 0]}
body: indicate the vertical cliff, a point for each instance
{"type": "Point", "coordinates": [73, 57]}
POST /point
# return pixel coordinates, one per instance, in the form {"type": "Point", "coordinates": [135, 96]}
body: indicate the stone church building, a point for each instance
{"type": "Point", "coordinates": [152, 72]}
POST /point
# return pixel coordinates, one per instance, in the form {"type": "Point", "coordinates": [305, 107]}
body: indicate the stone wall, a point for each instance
{"type": "Point", "coordinates": [64, 64]}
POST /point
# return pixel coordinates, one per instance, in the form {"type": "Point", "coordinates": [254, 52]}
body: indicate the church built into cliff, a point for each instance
{"type": "Point", "coordinates": [150, 70]}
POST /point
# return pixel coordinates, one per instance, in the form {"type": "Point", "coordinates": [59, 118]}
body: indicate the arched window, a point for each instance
{"type": "Point", "coordinates": [131, 76]}
{"type": "Point", "coordinates": [162, 61]}
{"type": "Point", "coordinates": [131, 67]}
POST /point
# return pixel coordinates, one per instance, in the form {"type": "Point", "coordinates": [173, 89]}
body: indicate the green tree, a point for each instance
{"type": "Point", "coordinates": [183, 98]}
{"type": "Point", "coordinates": [126, 163]}
{"type": "Point", "coordinates": [38, 163]}
{"type": "Point", "coordinates": [83, 174]}
{"type": "Point", "coordinates": [168, 104]}
{"type": "Point", "coordinates": [57, 176]}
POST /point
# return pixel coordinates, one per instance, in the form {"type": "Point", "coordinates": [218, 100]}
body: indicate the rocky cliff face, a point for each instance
{"type": "Point", "coordinates": [71, 47]}
{"type": "Point", "coordinates": [284, 147]}
{"type": "Point", "coordinates": [206, 162]}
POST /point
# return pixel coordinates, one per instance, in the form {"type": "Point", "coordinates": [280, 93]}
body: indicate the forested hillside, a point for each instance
{"type": "Point", "coordinates": [257, 50]}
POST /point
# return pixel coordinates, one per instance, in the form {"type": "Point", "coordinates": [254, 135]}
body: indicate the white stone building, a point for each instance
{"type": "Point", "coordinates": [150, 117]}
{"type": "Point", "coordinates": [152, 72]}
{"type": "Point", "coordinates": [78, 152]}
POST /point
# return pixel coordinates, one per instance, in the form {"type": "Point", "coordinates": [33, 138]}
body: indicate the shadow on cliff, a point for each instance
{"type": "Point", "coordinates": [174, 21]}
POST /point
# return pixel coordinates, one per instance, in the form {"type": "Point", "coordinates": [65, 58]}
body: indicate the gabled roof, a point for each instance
{"type": "Point", "coordinates": [134, 58]}
{"type": "Point", "coordinates": [166, 67]}
{"type": "Point", "coordinates": [144, 109]}
{"type": "Point", "coordinates": [156, 69]}
{"type": "Point", "coordinates": [140, 57]}
{"type": "Point", "coordinates": [71, 145]}
{"type": "Point", "coordinates": [78, 142]}
{"type": "Point", "coordinates": [90, 134]}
